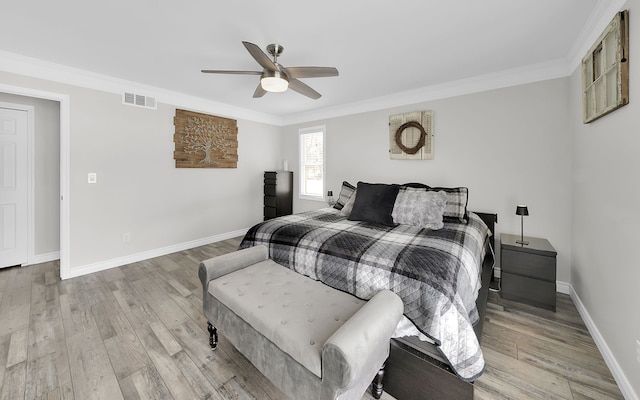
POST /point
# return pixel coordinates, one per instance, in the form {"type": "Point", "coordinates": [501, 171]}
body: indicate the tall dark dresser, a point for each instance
{"type": "Point", "coordinates": [278, 194]}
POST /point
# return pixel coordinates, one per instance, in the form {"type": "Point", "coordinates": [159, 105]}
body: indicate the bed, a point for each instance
{"type": "Point", "coordinates": [373, 239]}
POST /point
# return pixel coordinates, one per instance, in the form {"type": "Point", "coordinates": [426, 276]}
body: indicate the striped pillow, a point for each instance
{"type": "Point", "coordinates": [345, 192]}
{"type": "Point", "coordinates": [457, 198]}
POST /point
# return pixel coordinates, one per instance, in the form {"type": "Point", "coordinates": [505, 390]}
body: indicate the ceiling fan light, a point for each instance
{"type": "Point", "coordinates": [274, 82]}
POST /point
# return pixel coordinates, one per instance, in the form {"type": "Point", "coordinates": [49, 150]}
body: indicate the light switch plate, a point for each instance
{"type": "Point", "coordinates": [92, 177]}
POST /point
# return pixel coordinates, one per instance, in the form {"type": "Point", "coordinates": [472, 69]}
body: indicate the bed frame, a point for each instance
{"type": "Point", "coordinates": [417, 370]}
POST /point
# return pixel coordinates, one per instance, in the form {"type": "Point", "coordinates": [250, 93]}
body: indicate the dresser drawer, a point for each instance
{"type": "Point", "coordinates": [269, 212]}
{"type": "Point", "coordinates": [270, 190]}
{"type": "Point", "coordinates": [530, 291]}
{"type": "Point", "coordinates": [527, 264]}
{"type": "Point", "coordinates": [270, 201]}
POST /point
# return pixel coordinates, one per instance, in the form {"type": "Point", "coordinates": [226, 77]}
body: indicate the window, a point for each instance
{"type": "Point", "coordinates": [605, 71]}
{"type": "Point", "coordinates": [312, 163]}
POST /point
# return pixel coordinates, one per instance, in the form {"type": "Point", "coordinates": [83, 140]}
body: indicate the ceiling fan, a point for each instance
{"type": "Point", "coordinates": [275, 77]}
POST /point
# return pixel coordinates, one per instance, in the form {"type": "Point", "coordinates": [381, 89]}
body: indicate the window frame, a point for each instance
{"type": "Point", "coordinates": [605, 71]}
{"type": "Point", "coordinates": [306, 131]}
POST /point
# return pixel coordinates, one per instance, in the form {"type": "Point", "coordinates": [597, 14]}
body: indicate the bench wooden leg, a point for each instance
{"type": "Point", "coordinates": [376, 385]}
{"type": "Point", "coordinates": [213, 336]}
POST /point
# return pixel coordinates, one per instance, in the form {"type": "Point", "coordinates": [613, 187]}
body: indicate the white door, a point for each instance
{"type": "Point", "coordinates": [13, 186]}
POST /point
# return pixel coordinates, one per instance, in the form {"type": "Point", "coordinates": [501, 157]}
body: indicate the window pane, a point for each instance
{"type": "Point", "coordinates": [312, 164]}
{"type": "Point", "coordinates": [612, 88]}
{"type": "Point", "coordinates": [611, 45]}
{"type": "Point", "coordinates": [589, 98]}
{"type": "Point", "coordinates": [588, 72]}
{"type": "Point", "coordinates": [313, 180]}
{"type": "Point", "coordinates": [597, 63]}
{"type": "Point", "coordinates": [600, 95]}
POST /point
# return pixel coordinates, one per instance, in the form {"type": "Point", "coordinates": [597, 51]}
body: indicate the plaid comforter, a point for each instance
{"type": "Point", "coordinates": [436, 273]}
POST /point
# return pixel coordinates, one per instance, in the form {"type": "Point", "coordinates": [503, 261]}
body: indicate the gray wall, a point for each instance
{"type": "Point", "coordinates": [605, 270]}
{"type": "Point", "coordinates": [139, 190]}
{"type": "Point", "coordinates": [47, 171]}
{"type": "Point", "coordinates": [508, 146]}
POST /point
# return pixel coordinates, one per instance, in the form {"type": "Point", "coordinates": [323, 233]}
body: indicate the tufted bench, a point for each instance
{"type": "Point", "coordinates": [310, 340]}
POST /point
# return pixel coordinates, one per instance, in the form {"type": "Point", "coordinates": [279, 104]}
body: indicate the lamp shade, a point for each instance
{"type": "Point", "coordinates": [274, 81]}
{"type": "Point", "coordinates": [522, 210]}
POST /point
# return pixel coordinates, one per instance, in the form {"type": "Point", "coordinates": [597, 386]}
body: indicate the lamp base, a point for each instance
{"type": "Point", "coordinates": [522, 242]}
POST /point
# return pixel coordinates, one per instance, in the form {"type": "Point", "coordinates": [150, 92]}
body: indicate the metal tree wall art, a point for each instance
{"type": "Point", "coordinates": [205, 141]}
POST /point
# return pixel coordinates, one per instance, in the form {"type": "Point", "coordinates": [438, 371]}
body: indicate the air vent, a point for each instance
{"type": "Point", "coordinates": [139, 100]}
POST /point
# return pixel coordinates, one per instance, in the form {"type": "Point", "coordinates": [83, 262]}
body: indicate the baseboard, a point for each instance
{"type": "Point", "coordinates": [610, 360]}
{"type": "Point", "coordinates": [563, 287]}
{"type": "Point", "coordinates": [145, 255]}
{"type": "Point", "coordinates": [43, 258]}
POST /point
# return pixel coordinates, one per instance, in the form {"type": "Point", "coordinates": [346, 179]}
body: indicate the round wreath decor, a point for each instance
{"type": "Point", "coordinates": [418, 146]}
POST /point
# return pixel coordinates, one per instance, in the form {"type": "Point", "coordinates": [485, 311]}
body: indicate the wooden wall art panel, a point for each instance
{"type": "Point", "coordinates": [411, 136]}
{"type": "Point", "coordinates": [205, 141]}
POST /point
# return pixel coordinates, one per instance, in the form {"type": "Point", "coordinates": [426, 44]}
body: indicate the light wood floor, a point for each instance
{"type": "Point", "coordinates": [137, 332]}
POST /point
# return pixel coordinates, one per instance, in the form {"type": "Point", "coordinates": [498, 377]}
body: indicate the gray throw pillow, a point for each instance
{"type": "Point", "coordinates": [419, 207]}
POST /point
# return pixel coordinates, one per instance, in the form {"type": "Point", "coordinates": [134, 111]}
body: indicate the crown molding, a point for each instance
{"type": "Point", "coordinates": [496, 80]}
{"type": "Point", "coordinates": [35, 68]}
{"type": "Point", "coordinates": [594, 25]}
{"type": "Point", "coordinates": [600, 17]}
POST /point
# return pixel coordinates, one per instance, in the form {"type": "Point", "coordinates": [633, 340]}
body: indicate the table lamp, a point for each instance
{"type": "Point", "coordinates": [522, 210]}
{"type": "Point", "coordinates": [330, 200]}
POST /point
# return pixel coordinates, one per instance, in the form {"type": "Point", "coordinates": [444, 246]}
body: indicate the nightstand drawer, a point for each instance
{"type": "Point", "coordinates": [528, 264]}
{"type": "Point", "coordinates": [530, 291]}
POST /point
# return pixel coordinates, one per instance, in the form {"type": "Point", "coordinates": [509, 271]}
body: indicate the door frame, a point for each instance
{"type": "Point", "coordinates": [30, 176]}
{"type": "Point", "coordinates": [65, 198]}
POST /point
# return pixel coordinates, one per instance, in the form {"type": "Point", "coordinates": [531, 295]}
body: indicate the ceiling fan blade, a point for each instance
{"type": "Point", "coordinates": [260, 56]}
{"type": "Point", "coordinates": [302, 88]}
{"type": "Point", "coordinates": [259, 91]}
{"type": "Point", "coordinates": [310, 72]}
{"type": "Point", "coordinates": [218, 71]}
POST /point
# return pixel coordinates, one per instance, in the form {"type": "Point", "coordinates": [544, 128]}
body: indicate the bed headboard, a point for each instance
{"type": "Point", "coordinates": [490, 219]}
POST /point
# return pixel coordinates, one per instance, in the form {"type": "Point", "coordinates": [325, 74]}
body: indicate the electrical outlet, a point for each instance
{"type": "Point", "coordinates": [126, 237]}
{"type": "Point", "coordinates": [92, 177]}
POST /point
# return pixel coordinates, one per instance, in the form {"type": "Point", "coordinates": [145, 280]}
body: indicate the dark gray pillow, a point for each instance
{"type": "Point", "coordinates": [374, 203]}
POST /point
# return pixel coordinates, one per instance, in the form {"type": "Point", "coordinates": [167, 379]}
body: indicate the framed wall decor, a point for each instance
{"type": "Point", "coordinates": [411, 136]}
{"type": "Point", "coordinates": [205, 141]}
{"type": "Point", "coordinates": [605, 71]}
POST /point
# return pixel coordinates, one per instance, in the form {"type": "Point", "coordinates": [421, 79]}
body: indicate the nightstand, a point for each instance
{"type": "Point", "coordinates": [528, 271]}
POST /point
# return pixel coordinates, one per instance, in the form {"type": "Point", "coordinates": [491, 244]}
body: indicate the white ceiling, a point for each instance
{"type": "Point", "coordinates": [381, 49]}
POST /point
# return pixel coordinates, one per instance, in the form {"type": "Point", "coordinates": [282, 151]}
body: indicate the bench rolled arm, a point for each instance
{"type": "Point", "coordinates": [216, 267]}
{"type": "Point", "coordinates": [362, 342]}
